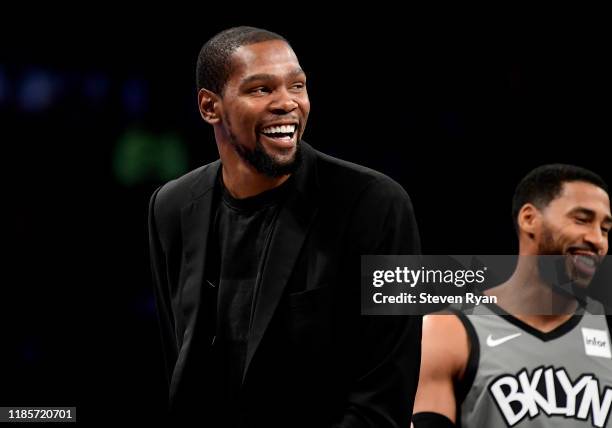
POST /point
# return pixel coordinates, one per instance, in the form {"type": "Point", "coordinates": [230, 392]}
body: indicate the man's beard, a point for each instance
{"type": "Point", "coordinates": [265, 164]}
{"type": "Point", "coordinates": [556, 267]}
{"type": "Point", "coordinates": [547, 245]}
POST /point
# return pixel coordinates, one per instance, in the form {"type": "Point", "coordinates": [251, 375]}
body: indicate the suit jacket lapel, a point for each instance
{"type": "Point", "coordinates": [294, 220]}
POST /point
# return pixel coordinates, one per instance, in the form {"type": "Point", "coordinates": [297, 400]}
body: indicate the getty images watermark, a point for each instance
{"type": "Point", "coordinates": [417, 285]}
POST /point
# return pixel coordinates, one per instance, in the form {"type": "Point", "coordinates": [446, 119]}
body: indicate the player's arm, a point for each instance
{"type": "Point", "coordinates": [161, 289]}
{"type": "Point", "coordinates": [444, 357]}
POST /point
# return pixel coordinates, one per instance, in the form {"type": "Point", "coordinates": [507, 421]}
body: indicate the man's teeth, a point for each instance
{"type": "Point", "coordinates": [284, 129]}
{"type": "Point", "coordinates": [586, 260]}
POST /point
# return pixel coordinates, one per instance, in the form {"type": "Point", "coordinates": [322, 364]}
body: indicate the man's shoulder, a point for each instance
{"type": "Point", "coordinates": [169, 198]}
{"type": "Point", "coordinates": [188, 186]}
{"type": "Point", "coordinates": [341, 175]}
{"type": "Point", "coordinates": [446, 338]}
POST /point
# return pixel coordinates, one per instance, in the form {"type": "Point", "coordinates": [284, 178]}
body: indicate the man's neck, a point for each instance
{"type": "Point", "coordinates": [244, 181]}
{"type": "Point", "coordinates": [527, 297]}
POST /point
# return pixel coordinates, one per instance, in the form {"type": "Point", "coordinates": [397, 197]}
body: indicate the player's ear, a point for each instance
{"type": "Point", "coordinates": [529, 220]}
{"type": "Point", "coordinates": [209, 103]}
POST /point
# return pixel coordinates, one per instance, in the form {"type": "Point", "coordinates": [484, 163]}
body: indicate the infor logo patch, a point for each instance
{"type": "Point", "coordinates": [596, 343]}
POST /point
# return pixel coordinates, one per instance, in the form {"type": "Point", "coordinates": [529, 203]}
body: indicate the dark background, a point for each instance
{"type": "Point", "coordinates": [96, 113]}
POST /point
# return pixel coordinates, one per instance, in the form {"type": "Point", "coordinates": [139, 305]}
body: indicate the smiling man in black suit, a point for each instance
{"type": "Point", "coordinates": [256, 261]}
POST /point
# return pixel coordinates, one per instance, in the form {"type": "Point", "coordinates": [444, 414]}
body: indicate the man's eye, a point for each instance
{"type": "Point", "coordinates": [259, 90]}
{"type": "Point", "coordinates": [581, 220]}
{"type": "Point", "coordinates": [298, 86]}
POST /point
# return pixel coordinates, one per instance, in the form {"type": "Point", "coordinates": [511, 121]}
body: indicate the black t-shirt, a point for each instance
{"type": "Point", "coordinates": [241, 234]}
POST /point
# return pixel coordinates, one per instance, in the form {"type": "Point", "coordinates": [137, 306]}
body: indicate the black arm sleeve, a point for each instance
{"type": "Point", "coordinates": [431, 420]}
{"type": "Point", "coordinates": [389, 347]}
{"type": "Point", "coordinates": [161, 292]}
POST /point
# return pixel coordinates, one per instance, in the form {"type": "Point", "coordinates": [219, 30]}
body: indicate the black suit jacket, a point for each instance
{"type": "Point", "coordinates": [312, 359]}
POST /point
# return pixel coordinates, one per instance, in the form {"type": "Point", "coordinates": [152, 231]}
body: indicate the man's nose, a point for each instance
{"type": "Point", "coordinates": [284, 102]}
{"type": "Point", "coordinates": [595, 237]}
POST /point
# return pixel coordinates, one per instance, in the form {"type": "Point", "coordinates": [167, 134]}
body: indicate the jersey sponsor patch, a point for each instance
{"type": "Point", "coordinates": [549, 392]}
{"type": "Point", "coordinates": [596, 342]}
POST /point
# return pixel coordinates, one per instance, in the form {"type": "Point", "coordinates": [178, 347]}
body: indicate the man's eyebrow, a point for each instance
{"type": "Point", "coordinates": [256, 77]}
{"type": "Point", "coordinates": [590, 213]}
{"type": "Point", "coordinates": [266, 76]}
{"type": "Point", "coordinates": [296, 72]}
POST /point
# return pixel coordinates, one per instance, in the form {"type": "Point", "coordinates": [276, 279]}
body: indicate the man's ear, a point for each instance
{"type": "Point", "coordinates": [529, 219]}
{"type": "Point", "coordinates": [208, 102]}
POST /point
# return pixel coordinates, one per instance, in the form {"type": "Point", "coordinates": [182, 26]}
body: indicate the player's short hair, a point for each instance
{"type": "Point", "coordinates": [214, 65]}
{"type": "Point", "coordinates": [545, 183]}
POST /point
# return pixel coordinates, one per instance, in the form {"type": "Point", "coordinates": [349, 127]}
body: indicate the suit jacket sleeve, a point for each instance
{"type": "Point", "coordinates": [387, 349]}
{"type": "Point", "coordinates": [161, 286]}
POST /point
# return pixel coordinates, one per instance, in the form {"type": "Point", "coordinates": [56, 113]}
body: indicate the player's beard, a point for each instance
{"type": "Point", "coordinates": [261, 160]}
{"type": "Point", "coordinates": [547, 245]}
{"type": "Point", "coordinates": [555, 267]}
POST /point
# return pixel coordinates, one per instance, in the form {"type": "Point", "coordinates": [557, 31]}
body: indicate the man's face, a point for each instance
{"type": "Point", "coordinates": [265, 106]}
{"type": "Point", "coordinates": [576, 225]}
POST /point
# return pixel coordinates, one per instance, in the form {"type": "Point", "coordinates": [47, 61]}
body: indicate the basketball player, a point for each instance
{"type": "Point", "coordinates": [529, 369]}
